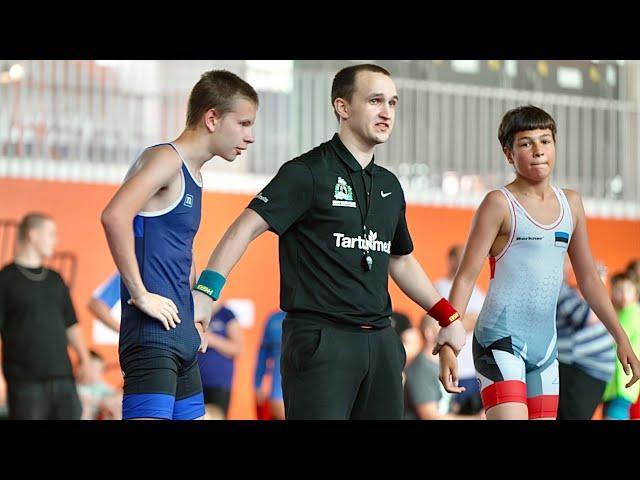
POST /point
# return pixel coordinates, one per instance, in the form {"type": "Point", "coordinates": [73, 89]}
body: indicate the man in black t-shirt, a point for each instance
{"type": "Point", "coordinates": [37, 321]}
{"type": "Point", "coordinates": [342, 231]}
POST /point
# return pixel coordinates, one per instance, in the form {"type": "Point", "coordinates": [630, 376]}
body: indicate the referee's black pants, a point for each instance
{"type": "Point", "coordinates": [339, 372]}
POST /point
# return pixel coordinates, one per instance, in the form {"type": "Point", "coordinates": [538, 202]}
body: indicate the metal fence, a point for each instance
{"type": "Point", "coordinates": [444, 139]}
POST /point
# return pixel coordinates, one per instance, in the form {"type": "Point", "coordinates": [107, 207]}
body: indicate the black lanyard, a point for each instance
{"type": "Point", "coordinates": [367, 260]}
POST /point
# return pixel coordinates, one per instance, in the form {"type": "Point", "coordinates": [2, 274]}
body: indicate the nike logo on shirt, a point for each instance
{"type": "Point", "coordinates": [385, 195]}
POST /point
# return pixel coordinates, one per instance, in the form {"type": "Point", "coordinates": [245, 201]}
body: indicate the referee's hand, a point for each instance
{"type": "Point", "coordinates": [158, 307]}
{"type": "Point", "coordinates": [453, 335]}
{"type": "Point", "coordinates": [203, 338]}
{"type": "Point", "coordinates": [202, 308]}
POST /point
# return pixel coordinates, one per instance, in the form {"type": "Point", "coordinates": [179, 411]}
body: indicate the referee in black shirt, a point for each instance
{"type": "Point", "coordinates": [342, 230]}
{"type": "Point", "coordinates": [37, 321]}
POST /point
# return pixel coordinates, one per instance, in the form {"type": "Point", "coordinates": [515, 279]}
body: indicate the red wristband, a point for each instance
{"type": "Point", "coordinates": [444, 312]}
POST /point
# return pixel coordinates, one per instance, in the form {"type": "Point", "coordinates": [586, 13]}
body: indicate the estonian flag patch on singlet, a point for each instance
{"type": "Point", "coordinates": [562, 239]}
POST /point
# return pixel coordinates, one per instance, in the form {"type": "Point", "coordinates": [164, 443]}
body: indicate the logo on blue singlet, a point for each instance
{"type": "Point", "coordinates": [562, 239]}
{"type": "Point", "coordinates": [188, 200]}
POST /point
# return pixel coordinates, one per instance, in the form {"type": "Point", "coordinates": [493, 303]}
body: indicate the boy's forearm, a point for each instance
{"type": "Point", "coordinates": [460, 294]}
{"type": "Point", "coordinates": [103, 313]}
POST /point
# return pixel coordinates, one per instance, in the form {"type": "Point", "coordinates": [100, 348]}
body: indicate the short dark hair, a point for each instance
{"type": "Point", "coordinates": [620, 277]}
{"type": "Point", "coordinates": [30, 222]}
{"type": "Point", "coordinates": [217, 89]}
{"type": "Point", "coordinates": [632, 266]}
{"type": "Point", "coordinates": [344, 83]}
{"type": "Point", "coordinates": [524, 118]}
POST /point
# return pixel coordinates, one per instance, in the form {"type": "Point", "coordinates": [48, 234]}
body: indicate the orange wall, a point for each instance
{"type": "Point", "coordinates": [77, 207]}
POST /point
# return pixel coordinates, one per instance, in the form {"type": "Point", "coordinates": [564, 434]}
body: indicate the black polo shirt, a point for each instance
{"type": "Point", "coordinates": [316, 204]}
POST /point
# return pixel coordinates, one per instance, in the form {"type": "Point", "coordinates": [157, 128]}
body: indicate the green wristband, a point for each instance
{"type": "Point", "coordinates": [210, 283]}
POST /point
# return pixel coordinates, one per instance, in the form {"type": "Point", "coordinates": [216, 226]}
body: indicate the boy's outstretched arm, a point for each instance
{"type": "Point", "coordinates": [485, 228]}
{"type": "Point", "coordinates": [248, 226]}
{"type": "Point", "coordinates": [593, 289]}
